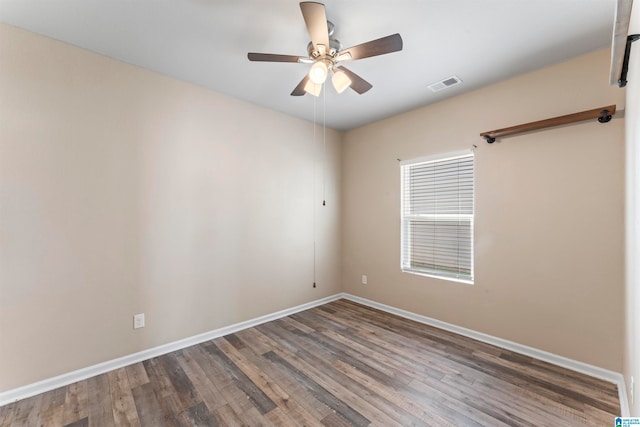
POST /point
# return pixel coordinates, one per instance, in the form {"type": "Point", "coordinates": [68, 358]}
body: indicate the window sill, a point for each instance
{"type": "Point", "coordinates": [435, 276]}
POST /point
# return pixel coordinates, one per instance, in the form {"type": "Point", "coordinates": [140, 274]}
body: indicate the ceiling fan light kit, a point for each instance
{"type": "Point", "coordinates": [325, 52]}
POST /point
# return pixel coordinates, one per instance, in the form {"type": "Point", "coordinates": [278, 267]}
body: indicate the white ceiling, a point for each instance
{"type": "Point", "coordinates": [206, 42]}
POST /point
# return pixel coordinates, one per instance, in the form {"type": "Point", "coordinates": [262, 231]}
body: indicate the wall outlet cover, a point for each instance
{"type": "Point", "coordinates": [138, 321]}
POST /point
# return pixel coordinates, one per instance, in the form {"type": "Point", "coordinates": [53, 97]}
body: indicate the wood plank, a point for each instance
{"type": "Point", "coordinates": [296, 413]}
{"type": "Point", "coordinates": [422, 412]}
{"type": "Point", "coordinates": [226, 416]}
{"type": "Point", "coordinates": [335, 420]}
{"type": "Point", "coordinates": [150, 411]}
{"type": "Point", "coordinates": [207, 390]}
{"type": "Point", "coordinates": [452, 405]}
{"type": "Point", "coordinates": [166, 396]}
{"type": "Point", "coordinates": [199, 415]}
{"type": "Point", "coordinates": [99, 408]}
{"type": "Point", "coordinates": [298, 395]}
{"type": "Point", "coordinates": [279, 418]}
{"type": "Point", "coordinates": [237, 400]}
{"type": "Point", "coordinates": [123, 404]}
{"type": "Point", "coordinates": [29, 412]}
{"type": "Point", "coordinates": [75, 404]}
{"type": "Point", "coordinates": [52, 408]}
{"type": "Point", "coordinates": [84, 422]}
{"type": "Point", "coordinates": [7, 414]}
{"type": "Point", "coordinates": [256, 342]}
{"type": "Point", "coordinates": [344, 410]}
{"type": "Point", "coordinates": [137, 375]}
{"type": "Point", "coordinates": [292, 323]}
{"type": "Point", "coordinates": [235, 341]}
{"type": "Point", "coordinates": [181, 384]}
{"type": "Point", "coordinates": [257, 397]}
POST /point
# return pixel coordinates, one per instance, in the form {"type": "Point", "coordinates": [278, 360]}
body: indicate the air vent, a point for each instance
{"type": "Point", "coordinates": [443, 84]}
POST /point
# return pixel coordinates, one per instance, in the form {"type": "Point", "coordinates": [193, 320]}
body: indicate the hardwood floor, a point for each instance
{"type": "Point", "coordinates": [340, 364]}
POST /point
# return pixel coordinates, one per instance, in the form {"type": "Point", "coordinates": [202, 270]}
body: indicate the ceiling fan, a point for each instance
{"type": "Point", "coordinates": [325, 53]}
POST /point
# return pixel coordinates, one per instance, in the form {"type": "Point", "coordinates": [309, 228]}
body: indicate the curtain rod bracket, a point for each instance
{"type": "Point", "coordinates": [622, 82]}
{"type": "Point", "coordinates": [605, 116]}
{"type": "Point", "coordinates": [489, 139]}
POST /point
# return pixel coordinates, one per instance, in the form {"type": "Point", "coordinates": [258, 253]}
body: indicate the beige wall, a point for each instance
{"type": "Point", "coordinates": [632, 341]}
{"type": "Point", "coordinates": [549, 224]}
{"type": "Point", "coordinates": [123, 191]}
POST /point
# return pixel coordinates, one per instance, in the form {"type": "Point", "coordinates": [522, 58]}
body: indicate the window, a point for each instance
{"type": "Point", "coordinates": [437, 216]}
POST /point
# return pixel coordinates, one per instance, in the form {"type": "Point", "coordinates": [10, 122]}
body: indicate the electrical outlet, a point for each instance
{"type": "Point", "coordinates": [364, 279]}
{"type": "Point", "coordinates": [632, 390]}
{"type": "Point", "coordinates": [138, 321]}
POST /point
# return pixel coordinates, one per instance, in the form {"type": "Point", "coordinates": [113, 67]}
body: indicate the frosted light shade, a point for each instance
{"type": "Point", "coordinates": [340, 81]}
{"type": "Point", "coordinates": [313, 88]}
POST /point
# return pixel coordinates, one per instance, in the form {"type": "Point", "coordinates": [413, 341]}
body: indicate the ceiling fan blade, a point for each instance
{"type": "Point", "coordinates": [358, 84]}
{"type": "Point", "coordinates": [299, 90]}
{"type": "Point", "coordinates": [392, 43]}
{"type": "Point", "coordinates": [315, 18]}
{"type": "Point", "coordinates": [270, 57]}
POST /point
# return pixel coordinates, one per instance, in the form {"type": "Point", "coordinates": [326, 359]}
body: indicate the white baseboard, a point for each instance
{"type": "Point", "coordinates": [101, 368]}
{"type": "Point", "coordinates": [594, 371]}
{"type": "Point", "coordinates": [29, 390]}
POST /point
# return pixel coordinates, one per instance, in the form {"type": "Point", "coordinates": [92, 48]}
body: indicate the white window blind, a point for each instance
{"type": "Point", "coordinates": [437, 217]}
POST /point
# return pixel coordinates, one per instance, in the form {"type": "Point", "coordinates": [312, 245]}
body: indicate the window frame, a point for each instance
{"type": "Point", "coordinates": [405, 256]}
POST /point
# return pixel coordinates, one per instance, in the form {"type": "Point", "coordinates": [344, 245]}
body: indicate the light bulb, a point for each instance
{"type": "Point", "coordinates": [318, 72]}
{"type": "Point", "coordinates": [340, 81]}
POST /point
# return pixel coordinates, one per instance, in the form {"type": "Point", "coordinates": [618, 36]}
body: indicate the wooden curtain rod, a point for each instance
{"type": "Point", "coordinates": [603, 115]}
